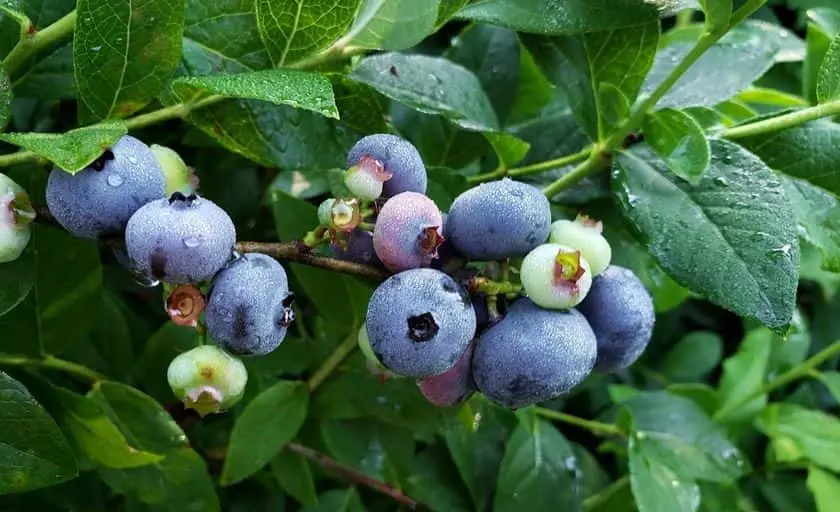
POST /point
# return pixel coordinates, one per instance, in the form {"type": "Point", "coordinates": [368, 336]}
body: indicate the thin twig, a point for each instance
{"type": "Point", "coordinates": [297, 252]}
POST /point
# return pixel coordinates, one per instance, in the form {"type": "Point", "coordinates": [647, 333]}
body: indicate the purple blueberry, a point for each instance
{"type": "Point", "coordinates": [419, 322]}
{"type": "Point", "coordinates": [533, 355]}
{"type": "Point", "coordinates": [358, 247]}
{"type": "Point", "coordinates": [98, 200]}
{"type": "Point", "coordinates": [408, 232]}
{"type": "Point", "coordinates": [620, 311]}
{"type": "Point", "coordinates": [498, 220]}
{"type": "Point", "coordinates": [452, 387]}
{"type": "Point", "coordinates": [398, 157]}
{"type": "Point", "coordinates": [180, 240]}
{"type": "Point", "coordinates": [249, 306]}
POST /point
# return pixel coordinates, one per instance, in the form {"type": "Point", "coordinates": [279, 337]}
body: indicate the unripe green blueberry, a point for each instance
{"type": "Point", "coordinates": [555, 276]}
{"type": "Point", "coordinates": [179, 177]}
{"type": "Point", "coordinates": [325, 211]}
{"type": "Point", "coordinates": [367, 178]}
{"type": "Point", "coordinates": [16, 214]}
{"type": "Point", "coordinates": [584, 234]}
{"type": "Point", "coordinates": [207, 379]}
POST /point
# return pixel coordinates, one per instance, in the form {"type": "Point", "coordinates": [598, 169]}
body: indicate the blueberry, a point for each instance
{"type": "Point", "coordinates": [452, 387]}
{"type": "Point", "coordinates": [555, 276]}
{"type": "Point", "coordinates": [533, 354]}
{"type": "Point", "coordinates": [180, 240]}
{"type": "Point", "coordinates": [419, 322]}
{"type": "Point", "coordinates": [249, 308]}
{"type": "Point", "coordinates": [397, 157]}
{"type": "Point", "coordinates": [207, 379]}
{"type": "Point", "coordinates": [620, 311]}
{"type": "Point", "coordinates": [366, 180]}
{"type": "Point", "coordinates": [584, 235]}
{"type": "Point", "coordinates": [408, 232]}
{"type": "Point", "coordinates": [99, 200]}
{"type": "Point", "coordinates": [357, 247]}
{"type": "Point", "coordinates": [16, 215]}
{"type": "Point", "coordinates": [498, 220]}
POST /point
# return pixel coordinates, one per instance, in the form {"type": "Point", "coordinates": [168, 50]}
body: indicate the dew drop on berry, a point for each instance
{"type": "Point", "coordinates": [193, 241]}
{"type": "Point", "coordinates": [115, 180]}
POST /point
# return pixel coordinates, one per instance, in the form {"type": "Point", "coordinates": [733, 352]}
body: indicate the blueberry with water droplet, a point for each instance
{"type": "Point", "coordinates": [98, 200]}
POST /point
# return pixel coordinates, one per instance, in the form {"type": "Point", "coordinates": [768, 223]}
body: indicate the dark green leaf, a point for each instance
{"type": "Point", "coordinates": [371, 447]}
{"type": "Point", "coordinates": [159, 350]}
{"type": "Point", "coordinates": [680, 141]}
{"type": "Point", "coordinates": [266, 424]}
{"type": "Point", "coordinates": [123, 54]}
{"type": "Point", "coordinates": [228, 32]}
{"type": "Point", "coordinates": [560, 17]}
{"type": "Point", "coordinates": [294, 476]}
{"type": "Point", "coordinates": [33, 451]}
{"type": "Point", "coordinates": [16, 280]}
{"type": "Point", "coordinates": [717, 13]}
{"type": "Point", "coordinates": [448, 8]}
{"type": "Point", "coordinates": [5, 100]}
{"type": "Point", "coordinates": [693, 357]}
{"type": "Point", "coordinates": [738, 213]}
{"type": "Point", "coordinates": [818, 214]}
{"type": "Point", "coordinates": [815, 434]}
{"type": "Point", "coordinates": [791, 350]}
{"type": "Point", "coordinates": [295, 29]}
{"type": "Point", "coordinates": [338, 501]}
{"type": "Point", "coordinates": [537, 457]}
{"type": "Point", "coordinates": [431, 85]}
{"type": "Point", "coordinates": [832, 382]}
{"type": "Point", "coordinates": [439, 142]}
{"type": "Point", "coordinates": [582, 64]}
{"type": "Point", "coordinates": [656, 487]}
{"type": "Point", "coordinates": [743, 374]}
{"type": "Point", "coordinates": [673, 431]}
{"type": "Point", "coordinates": [50, 78]}
{"type": "Point", "coordinates": [809, 152]}
{"type": "Point", "coordinates": [432, 480]}
{"type": "Point", "coordinates": [74, 150]}
{"type": "Point", "coordinates": [711, 80]}
{"type": "Point", "coordinates": [828, 83]}
{"type": "Point", "coordinates": [826, 488]}
{"type": "Point", "coordinates": [299, 89]}
{"type": "Point", "coordinates": [392, 24]}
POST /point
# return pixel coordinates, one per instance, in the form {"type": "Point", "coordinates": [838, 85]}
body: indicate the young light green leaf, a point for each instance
{"type": "Point", "coordinates": [5, 99]}
{"type": "Point", "coordinates": [537, 457]}
{"type": "Point", "coordinates": [814, 433]}
{"type": "Point", "coordinates": [832, 382]}
{"type": "Point", "coordinates": [693, 357]}
{"type": "Point", "coordinates": [828, 82]}
{"type": "Point", "coordinates": [431, 85]}
{"type": "Point", "coordinates": [581, 64]}
{"type": "Point", "coordinates": [392, 24]}
{"type": "Point", "coordinates": [738, 213]}
{"type": "Point", "coordinates": [712, 79]}
{"type": "Point", "coordinates": [657, 488]}
{"type": "Point", "coordinates": [33, 451]}
{"type": "Point", "coordinates": [294, 476]}
{"type": "Point", "coordinates": [743, 374]}
{"type": "Point", "coordinates": [71, 151]}
{"type": "Point", "coordinates": [261, 430]}
{"type": "Point", "coordinates": [568, 16]}
{"type": "Point", "coordinates": [773, 97]}
{"type": "Point", "coordinates": [825, 487]}
{"type": "Point", "coordinates": [509, 149]}
{"type": "Point", "coordinates": [123, 54]}
{"type": "Point", "coordinates": [717, 14]}
{"type": "Point", "coordinates": [299, 89]}
{"type": "Point", "coordinates": [818, 214]}
{"type": "Point", "coordinates": [680, 141]}
{"type": "Point", "coordinates": [293, 30]}
{"type": "Point", "coordinates": [823, 25]}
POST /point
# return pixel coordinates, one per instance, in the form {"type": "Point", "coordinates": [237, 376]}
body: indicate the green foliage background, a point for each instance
{"type": "Point", "coordinates": [728, 211]}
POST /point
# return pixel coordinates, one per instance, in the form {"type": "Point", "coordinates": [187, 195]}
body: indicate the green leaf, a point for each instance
{"type": "Point", "coordinates": [431, 85]}
{"type": "Point", "coordinates": [51, 78]}
{"type": "Point", "coordinates": [509, 149]}
{"type": "Point", "coordinates": [5, 100]}
{"type": "Point", "coordinates": [568, 17]}
{"type": "Point", "coordinates": [33, 451]}
{"type": "Point", "coordinates": [657, 488]}
{"type": "Point", "coordinates": [392, 24]}
{"type": "Point", "coordinates": [823, 25]}
{"type": "Point", "coordinates": [731, 237]}
{"type": "Point", "coordinates": [818, 214]}
{"type": "Point", "coordinates": [580, 65]}
{"type": "Point", "coordinates": [537, 457]}
{"type": "Point", "coordinates": [832, 382]}
{"type": "Point", "coordinates": [825, 487]}
{"type": "Point", "coordinates": [717, 13]}
{"type": "Point", "coordinates": [828, 82]}
{"type": "Point", "coordinates": [57, 313]}
{"type": "Point", "coordinates": [228, 32]}
{"type": "Point", "coordinates": [295, 29]}
{"type": "Point", "coordinates": [74, 150]}
{"type": "Point", "coordinates": [369, 446]}
{"type": "Point", "coordinates": [676, 433]}
{"type": "Point", "coordinates": [693, 357]}
{"type": "Point", "coordinates": [299, 89]}
{"type": "Point", "coordinates": [712, 79]}
{"type": "Point", "coordinates": [679, 140]}
{"type": "Point", "coordinates": [158, 351]}
{"type": "Point", "coordinates": [809, 152]}
{"type": "Point", "coordinates": [123, 54]}
{"type": "Point", "coordinates": [815, 434]}
{"type": "Point", "coordinates": [338, 501]}
{"type": "Point", "coordinates": [294, 476]}
{"type": "Point", "coordinates": [744, 374]}
{"type": "Point", "coordinates": [16, 280]}
{"type": "Point", "coordinates": [432, 480]}
{"type": "Point", "coordinates": [267, 423]}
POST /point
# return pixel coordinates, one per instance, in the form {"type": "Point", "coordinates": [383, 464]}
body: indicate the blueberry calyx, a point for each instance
{"type": "Point", "coordinates": [422, 327]}
{"type": "Point", "coordinates": [101, 160]}
{"type": "Point", "coordinates": [287, 314]}
{"type": "Point", "coordinates": [179, 196]}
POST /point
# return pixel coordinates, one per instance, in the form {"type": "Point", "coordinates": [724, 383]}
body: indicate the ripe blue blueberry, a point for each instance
{"type": "Point", "coordinates": [407, 233]}
{"type": "Point", "coordinates": [180, 240]}
{"type": "Point", "coordinates": [498, 220]}
{"type": "Point", "coordinates": [357, 246]}
{"type": "Point", "coordinates": [397, 157]}
{"type": "Point", "coordinates": [16, 215]}
{"type": "Point", "coordinates": [620, 311]}
{"type": "Point", "coordinates": [533, 354]}
{"type": "Point", "coordinates": [249, 308]}
{"type": "Point", "coordinates": [419, 322]}
{"type": "Point", "coordinates": [99, 200]}
{"type": "Point", "coordinates": [452, 387]}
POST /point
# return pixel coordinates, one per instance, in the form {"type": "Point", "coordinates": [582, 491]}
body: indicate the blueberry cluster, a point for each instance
{"type": "Point", "coordinates": [473, 327]}
{"type": "Point", "coordinates": [172, 235]}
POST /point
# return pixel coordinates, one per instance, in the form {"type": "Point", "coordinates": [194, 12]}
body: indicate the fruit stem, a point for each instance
{"type": "Point", "coordinates": [338, 355]}
{"type": "Point", "coordinates": [783, 122]}
{"type": "Point", "coordinates": [316, 237]}
{"type": "Point", "coordinates": [533, 168]}
{"type": "Point", "coordinates": [36, 42]}
{"type": "Point", "coordinates": [52, 363]}
{"type": "Point", "coordinates": [596, 427]}
{"type": "Point", "coordinates": [490, 287]}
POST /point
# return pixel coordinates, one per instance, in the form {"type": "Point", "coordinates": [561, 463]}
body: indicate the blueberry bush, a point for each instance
{"type": "Point", "coordinates": [447, 255]}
